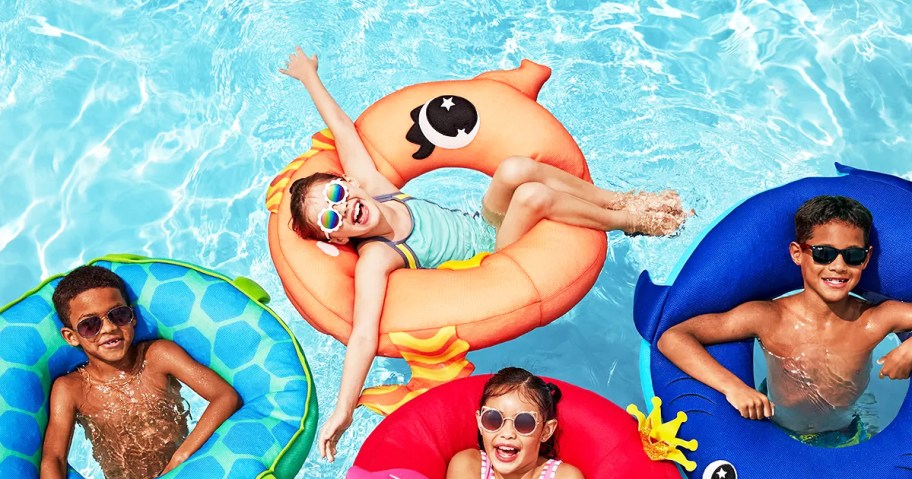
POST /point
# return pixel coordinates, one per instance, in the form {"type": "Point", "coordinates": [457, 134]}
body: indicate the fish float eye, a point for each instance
{"type": "Point", "coordinates": [447, 121]}
{"type": "Point", "coordinates": [720, 469]}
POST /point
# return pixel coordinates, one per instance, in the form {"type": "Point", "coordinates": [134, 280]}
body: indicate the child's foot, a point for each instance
{"type": "Point", "coordinates": [652, 223]}
{"type": "Point", "coordinates": [666, 201]}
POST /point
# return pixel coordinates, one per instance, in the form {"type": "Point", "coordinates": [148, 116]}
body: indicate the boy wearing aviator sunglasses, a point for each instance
{"type": "Point", "coordinates": [818, 342]}
{"type": "Point", "coordinates": [127, 397]}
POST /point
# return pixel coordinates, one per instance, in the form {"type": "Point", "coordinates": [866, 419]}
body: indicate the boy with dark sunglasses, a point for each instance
{"type": "Point", "coordinates": [818, 342]}
{"type": "Point", "coordinates": [127, 398]}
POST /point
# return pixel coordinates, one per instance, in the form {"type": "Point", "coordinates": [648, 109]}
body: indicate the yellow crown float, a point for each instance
{"type": "Point", "coordinates": [660, 439]}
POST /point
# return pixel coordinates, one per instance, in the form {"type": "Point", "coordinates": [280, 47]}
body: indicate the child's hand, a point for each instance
{"type": "Point", "coordinates": [330, 433]}
{"type": "Point", "coordinates": [176, 460]}
{"type": "Point", "coordinates": [897, 364]}
{"type": "Point", "coordinates": [752, 404]}
{"type": "Point", "coordinates": [299, 65]}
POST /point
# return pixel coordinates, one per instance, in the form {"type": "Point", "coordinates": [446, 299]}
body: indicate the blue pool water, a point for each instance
{"type": "Point", "coordinates": [154, 127]}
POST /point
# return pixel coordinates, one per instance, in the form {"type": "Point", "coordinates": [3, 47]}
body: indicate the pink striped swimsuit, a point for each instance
{"type": "Point", "coordinates": [487, 470]}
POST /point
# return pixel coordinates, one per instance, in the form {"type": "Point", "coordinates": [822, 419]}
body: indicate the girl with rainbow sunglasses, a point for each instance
{"type": "Point", "coordinates": [393, 230]}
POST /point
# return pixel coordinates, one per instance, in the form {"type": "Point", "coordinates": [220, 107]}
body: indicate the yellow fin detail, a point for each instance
{"type": "Point", "coordinates": [660, 439]}
{"type": "Point", "coordinates": [433, 360]}
{"type": "Point", "coordinates": [472, 262]}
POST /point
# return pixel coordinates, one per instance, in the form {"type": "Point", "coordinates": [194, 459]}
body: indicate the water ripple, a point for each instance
{"type": "Point", "coordinates": [154, 126]}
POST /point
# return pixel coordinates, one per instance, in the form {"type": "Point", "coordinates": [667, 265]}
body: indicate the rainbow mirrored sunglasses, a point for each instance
{"type": "Point", "coordinates": [329, 219]}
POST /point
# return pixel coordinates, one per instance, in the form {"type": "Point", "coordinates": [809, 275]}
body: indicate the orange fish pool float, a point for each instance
{"type": "Point", "coordinates": [433, 317]}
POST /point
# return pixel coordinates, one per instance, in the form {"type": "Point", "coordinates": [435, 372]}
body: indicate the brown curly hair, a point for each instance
{"type": "Point", "coordinates": [80, 280]}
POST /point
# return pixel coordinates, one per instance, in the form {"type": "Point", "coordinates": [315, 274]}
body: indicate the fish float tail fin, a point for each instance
{"type": "Point", "coordinates": [528, 78]}
{"type": "Point", "coordinates": [647, 307]}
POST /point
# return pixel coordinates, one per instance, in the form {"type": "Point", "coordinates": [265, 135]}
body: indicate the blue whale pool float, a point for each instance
{"type": "Point", "coordinates": [222, 323]}
{"type": "Point", "coordinates": [744, 257]}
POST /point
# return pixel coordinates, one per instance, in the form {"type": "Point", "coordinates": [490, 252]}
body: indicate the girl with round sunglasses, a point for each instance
{"type": "Point", "coordinates": [517, 428]}
{"type": "Point", "coordinates": [392, 230]}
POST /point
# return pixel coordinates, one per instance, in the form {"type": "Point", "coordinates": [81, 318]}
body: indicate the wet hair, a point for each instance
{"type": "Point", "coordinates": [81, 280]}
{"type": "Point", "coordinates": [544, 395]}
{"type": "Point", "coordinates": [824, 209]}
{"type": "Point", "coordinates": [299, 224]}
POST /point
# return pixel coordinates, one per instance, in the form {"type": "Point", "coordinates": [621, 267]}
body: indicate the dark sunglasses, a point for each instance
{"type": "Point", "coordinates": [90, 327]}
{"type": "Point", "coordinates": [492, 420]}
{"type": "Point", "coordinates": [853, 256]}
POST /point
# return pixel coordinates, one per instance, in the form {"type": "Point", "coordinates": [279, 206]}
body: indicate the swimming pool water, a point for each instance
{"type": "Point", "coordinates": [154, 127]}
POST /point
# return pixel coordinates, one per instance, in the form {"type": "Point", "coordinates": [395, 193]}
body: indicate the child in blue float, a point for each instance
{"type": "Point", "coordinates": [524, 448]}
{"type": "Point", "coordinates": [367, 208]}
{"type": "Point", "coordinates": [127, 398]}
{"type": "Point", "coordinates": [817, 342]}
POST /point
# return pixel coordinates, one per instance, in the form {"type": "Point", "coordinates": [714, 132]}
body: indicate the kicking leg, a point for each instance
{"type": "Point", "coordinates": [532, 202]}
{"type": "Point", "coordinates": [517, 170]}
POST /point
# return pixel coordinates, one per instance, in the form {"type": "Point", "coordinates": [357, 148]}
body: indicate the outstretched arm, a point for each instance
{"type": "Point", "coordinates": [355, 160]}
{"type": "Point", "coordinates": [684, 344]}
{"type": "Point", "coordinates": [375, 263]}
{"type": "Point", "coordinates": [59, 432]}
{"type": "Point", "coordinates": [167, 357]}
{"type": "Point", "coordinates": [896, 317]}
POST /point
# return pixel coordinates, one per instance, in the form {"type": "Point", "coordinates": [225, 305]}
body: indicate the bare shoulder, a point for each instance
{"type": "Point", "coordinates": [159, 349]}
{"type": "Point", "coordinates": [764, 308]}
{"type": "Point", "coordinates": [162, 354]}
{"type": "Point", "coordinates": [888, 307]}
{"type": "Point", "coordinates": [379, 256]}
{"type": "Point", "coordinates": [465, 463]}
{"type": "Point", "coordinates": [66, 390]}
{"type": "Point", "coordinates": [568, 471]}
{"type": "Point", "coordinates": [892, 315]}
{"type": "Point", "coordinates": [67, 385]}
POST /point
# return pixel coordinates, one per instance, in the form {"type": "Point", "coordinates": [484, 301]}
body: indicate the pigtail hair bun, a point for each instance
{"type": "Point", "coordinates": [555, 392]}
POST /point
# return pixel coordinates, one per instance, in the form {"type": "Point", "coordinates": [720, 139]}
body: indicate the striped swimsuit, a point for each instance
{"type": "Point", "coordinates": [438, 234]}
{"type": "Point", "coordinates": [487, 469]}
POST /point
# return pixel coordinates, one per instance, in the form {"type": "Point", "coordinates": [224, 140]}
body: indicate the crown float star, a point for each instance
{"type": "Point", "coordinates": [660, 439]}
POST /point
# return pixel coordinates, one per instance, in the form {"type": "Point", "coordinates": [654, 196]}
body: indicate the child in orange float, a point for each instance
{"type": "Point", "coordinates": [366, 208]}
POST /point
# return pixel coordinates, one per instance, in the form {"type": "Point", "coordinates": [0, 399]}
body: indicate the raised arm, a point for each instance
{"type": "Point", "coordinates": [895, 316]}
{"type": "Point", "coordinates": [375, 263]}
{"type": "Point", "coordinates": [684, 344]}
{"type": "Point", "coordinates": [167, 357]}
{"type": "Point", "coordinates": [356, 162]}
{"type": "Point", "coordinates": [59, 432]}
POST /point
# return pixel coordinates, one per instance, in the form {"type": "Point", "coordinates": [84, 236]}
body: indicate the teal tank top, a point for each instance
{"type": "Point", "coordinates": [438, 234]}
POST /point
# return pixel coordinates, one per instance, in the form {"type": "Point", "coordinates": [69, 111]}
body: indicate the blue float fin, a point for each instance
{"type": "Point", "coordinates": [648, 302]}
{"type": "Point", "coordinates": [874, 176]}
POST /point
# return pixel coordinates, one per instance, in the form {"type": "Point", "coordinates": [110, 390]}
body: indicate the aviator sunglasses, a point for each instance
{"type": "Point", "coordinates": [853, 256]}
{"type": "Point", "coordinates": [492, 420]}
{"type": "Point", "coordinates": [329, 219]}
{"type": "Point", "coordinates": [90, 327]}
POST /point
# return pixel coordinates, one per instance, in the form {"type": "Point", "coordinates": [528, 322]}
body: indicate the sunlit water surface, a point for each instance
{"type": "Point", "coordinates": [154, 127]}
